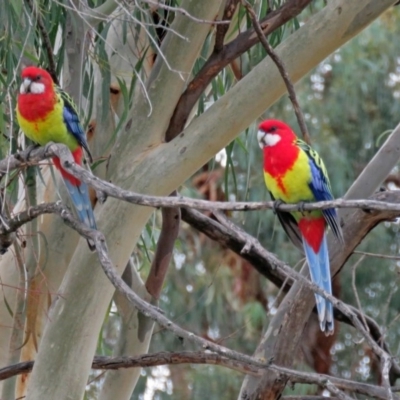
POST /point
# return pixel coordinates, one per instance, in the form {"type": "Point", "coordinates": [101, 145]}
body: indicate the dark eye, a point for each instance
{"type": "Point", "coordinates": [38, 77]}
{"type": "Point", "coordinates": [272, 129]}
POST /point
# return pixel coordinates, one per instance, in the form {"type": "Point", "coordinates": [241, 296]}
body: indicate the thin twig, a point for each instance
{"type": "Point", "coordinates": [353, 284]}
{"type": "Point", "coordinates": [386, 362]}
{"type": "Point", "coordinates": [334, 390]}
{"type": "Point", "coordinates": [281, 67]}
{"type": "Point", "coordinates": [384, 256]}
{"type": "Point", "coordinates": [182, 11]}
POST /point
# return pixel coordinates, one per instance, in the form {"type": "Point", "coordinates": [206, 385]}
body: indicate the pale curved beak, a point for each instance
{"type": "Point", "coordinates": [261, 139]}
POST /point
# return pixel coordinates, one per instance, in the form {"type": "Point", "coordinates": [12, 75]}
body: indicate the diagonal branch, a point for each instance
{"type": "Point", "coordinates": [221, 58]}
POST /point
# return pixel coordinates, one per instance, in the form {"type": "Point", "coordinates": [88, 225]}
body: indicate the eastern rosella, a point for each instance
{"type": "Point", "coordinates": [47, 114]}
{"type": "Point", "coordinates": [295, 173]}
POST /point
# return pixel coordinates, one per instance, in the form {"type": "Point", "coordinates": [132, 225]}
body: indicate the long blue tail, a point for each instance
{"type": "Point", "coordinates": [81, 200]}
{"type": "Point", "coordinates": [321, 276]}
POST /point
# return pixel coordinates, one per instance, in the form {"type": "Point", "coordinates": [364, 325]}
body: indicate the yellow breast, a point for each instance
{"type": "Point", "coordinates": [293, 186]}
{"type": "Point", "coordinates": [45, 130]}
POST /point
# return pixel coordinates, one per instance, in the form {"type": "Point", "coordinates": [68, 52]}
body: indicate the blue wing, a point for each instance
{"type": "Point", "coordinates": [72, 121]}
{"type": "Point", "coordinates": [321, 187]}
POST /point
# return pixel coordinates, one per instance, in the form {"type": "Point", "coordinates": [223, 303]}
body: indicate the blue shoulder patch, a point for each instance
{"type": "Point", "coordinates": [71, 120]}
{"type": "Point", "coordinates": [321, 187]}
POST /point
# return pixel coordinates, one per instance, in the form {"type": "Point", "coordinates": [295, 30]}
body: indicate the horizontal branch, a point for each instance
{"type": "Point", "coordinates": [206, 358]}
{"type": "Point", "coordinates": [31, 157]}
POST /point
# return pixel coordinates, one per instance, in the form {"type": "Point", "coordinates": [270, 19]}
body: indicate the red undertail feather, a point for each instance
{"type": "Point", "coordinates": [78, 153]}
{"type": "Point", "coordinates": [313, 230]}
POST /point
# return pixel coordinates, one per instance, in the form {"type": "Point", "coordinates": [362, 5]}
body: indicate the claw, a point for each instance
{"type": "Point", "coordinates": [47, 146]}
{"type": "Point", "coordinates": [29, 150]}
{"type": "Point", "coordinates": [301, 207]}
{"type": "Point", "coordinates": [101, 196]}
{"type": "Point", "coordinates": [276, 204]}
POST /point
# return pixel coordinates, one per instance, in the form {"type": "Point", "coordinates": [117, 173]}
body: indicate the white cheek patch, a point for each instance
{"type": "Point", "coordinates": [267, 139]}
{"type": "Point", "coordinates": [271, 139]}
{"type": "Point", "coordinates": [37, 88]}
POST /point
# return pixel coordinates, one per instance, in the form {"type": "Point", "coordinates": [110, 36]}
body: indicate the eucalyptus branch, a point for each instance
{"type": "Point", "coordinates": [281, 67]}
{"type": "Point", "coordinates": [171, 218]}
{"type": "Point", "coordinates": [201, 357]}
{"type": "Point", "coordinates": [30, 157]}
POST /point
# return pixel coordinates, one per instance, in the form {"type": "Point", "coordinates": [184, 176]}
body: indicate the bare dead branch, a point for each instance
{"type": "Point", "coordinates": [308, 398]}
{"type": "Point", "coordinates": [334, 390]}
{"type": "Point", "coordinates": [386, 364]}
{"type": "Point", "coordinates": [281, 67]}
{"type": "Point", "coordinates": [206, 358]}
{"type": "Point", "coordinates": [30, 157]}
{"type": "Point", "coordinates": [251, 242]}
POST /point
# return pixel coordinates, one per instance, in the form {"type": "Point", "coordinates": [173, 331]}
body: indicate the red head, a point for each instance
{"type": "Point", "coordinates": [273, 131]}
{"type": "Point", "coordinates": [35, 81]}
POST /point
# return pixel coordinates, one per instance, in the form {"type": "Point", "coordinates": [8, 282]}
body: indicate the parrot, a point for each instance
{"type": "Point", "coordinates": [46, 114]}
{"type": "Point", "coordinates": [295, 173]}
